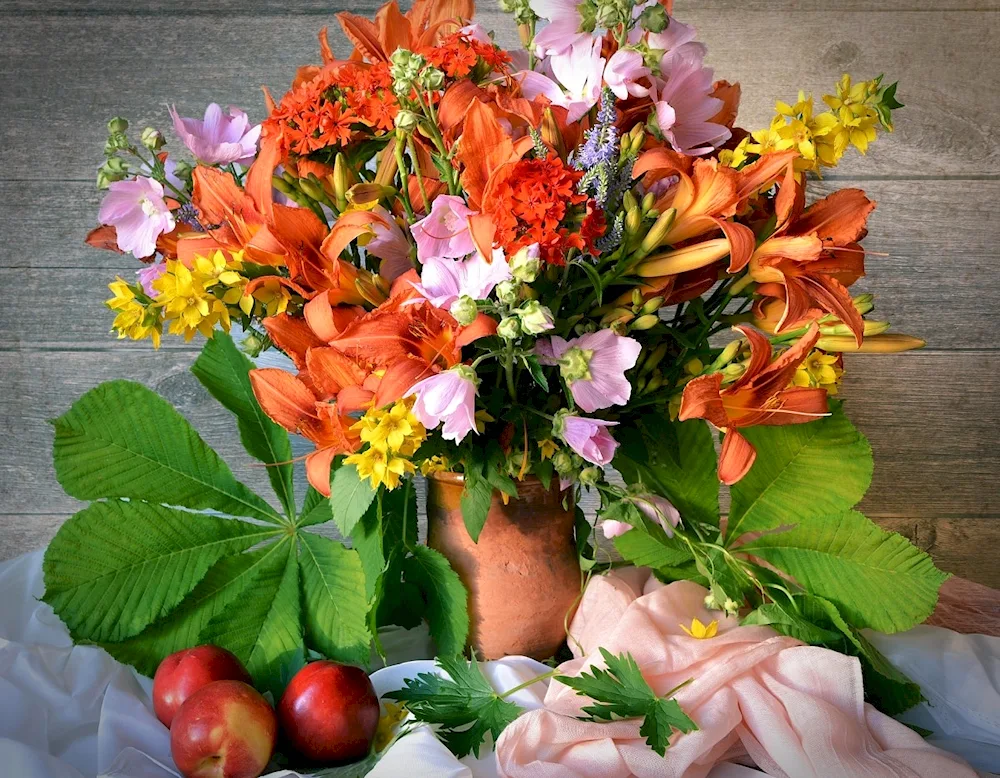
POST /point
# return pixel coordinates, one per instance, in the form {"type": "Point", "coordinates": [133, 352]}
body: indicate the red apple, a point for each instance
{"type": "Point", "coordinates": [223, 730]}
{"type": "Point", "coordinates": [329, 712]}
{"type": "Point", "coordinates": [182, 674]}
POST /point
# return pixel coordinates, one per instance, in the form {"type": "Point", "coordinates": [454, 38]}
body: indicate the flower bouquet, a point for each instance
{"type": "Point", "coordinates": [562, 270]}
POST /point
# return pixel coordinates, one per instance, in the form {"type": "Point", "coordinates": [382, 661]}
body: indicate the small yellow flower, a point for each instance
{"type": "Point", "coordinates": [702, 631]}
{"type": "Point", "coordinates": [482, 419]}
{"type": "Point", "coordinates": [548, 448]}
{"type": "Point", "coordinates": [394, 714]}
{"type": "Point", "coordinates": [380, 467]}
{"type": "Point", "coordinates": [768, 141]}
{"type": "Point", "coordinates": [134, 319]}
{"type": "Point", "coordinates": [272, 295]}
{"type": "Point", "coordinates": [819, 370]}
{"type": "Point", "coordinates": [737, 157]}
{"type": "Point", "coordinates": [434, 464]}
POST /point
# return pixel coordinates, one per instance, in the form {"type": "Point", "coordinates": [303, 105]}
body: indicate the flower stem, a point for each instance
{"type": "Point", "coordinates": [526, 684]}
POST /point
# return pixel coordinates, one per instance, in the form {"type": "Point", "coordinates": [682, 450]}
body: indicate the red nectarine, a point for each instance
{"type": "Point", "coordinates": [182, 674]}
{"type": "Point", "coordinates": [329, 712]}
{"type": "Point", "coordinates": [223, 730]}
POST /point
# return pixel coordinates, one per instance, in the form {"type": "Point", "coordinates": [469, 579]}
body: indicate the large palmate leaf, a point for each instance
{"type": "Point", "coordinates": [350, 496]}
{"type": "Point", "coordinates": [877, 579]}
{"type": "Point", "coordinates": [334, 602]}
{"type": "Point", "coordinates": [817, 469]}
{"type": "Point", "coordinates": [676, 460]}
{"type": "Point", "coordinates": [447, 609]}
{"type": "Point", "coordinates": [121, 439]}
{"type": "Point", "coordinates": [221, 587]}
{"type": "Point", "coordinates": [265, 631]}
{"type": "Point", "coordinates": [116, 567]}
{"type": "Point", "coordinates": [225, 372]}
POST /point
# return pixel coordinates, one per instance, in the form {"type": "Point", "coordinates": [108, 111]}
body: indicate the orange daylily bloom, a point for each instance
{"type": "Point", "coordinates": [762, 395]}
{"type": "Point", "coordinates": [813, 255]}
{"type": "Point", "coordinates": [294, 405]}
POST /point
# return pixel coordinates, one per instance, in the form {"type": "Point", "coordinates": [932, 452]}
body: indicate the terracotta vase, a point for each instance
{"type": "Point", "coordinates": [523, 576]}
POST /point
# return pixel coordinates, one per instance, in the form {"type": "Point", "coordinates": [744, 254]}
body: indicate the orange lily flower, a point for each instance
{"type": "Point", "coordinates": [293, 404]}
{"type": "Point", "coordinates": [762, 395]}
{"type": "Point", "coordinates": [375, 41]}
{"type": "Point", "coordinates": [813, 255]}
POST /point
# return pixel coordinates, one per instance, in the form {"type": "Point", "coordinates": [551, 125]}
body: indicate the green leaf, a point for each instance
{"type": "Point", "coordinates": [315, 509]}
{"type": "Point", "coordinates": [225, 372]}
{"type": "Point", "coordinates": [350, 496]}
{"type": "Point", "coordinates": [335, 607]}
{"type": "Point", "coordinates": [265, 631]}
{"type": "Point", "coordinates": [116, 567]}
{"type": "Point", "coordinates": [595, 279]}
{"type": "Point", "coordinates": [647, 545]}
{"type": "Point", "coordinates": [620, 692]}
{"type": "Point", "coordinates": [222, 585]}
{"type": "Point", "coordinates": [691, 485]}
{"type": "Point", "coordinates": [367, 540]}
{"type": "Point", "coordinates": [781, 487]}
{"type": "Point", "coordinates": [582, 530]}
{"type": "Point", "coordinates": [463, 704]}
{"type": "Point", "coordinates": [477, 496]}
{"type": "Point", "coordinates": [787, 621]}
{"type": "Point", "coordinates": [877, 579]}
{"type": "Point", "coordinates": [121, 439]}
{"type": "Point", "coordinates": [447, 601]}
{"type": "Point", "coordinates": [535, 368]}
{"type": "Point", "coordinates": [886, 687]}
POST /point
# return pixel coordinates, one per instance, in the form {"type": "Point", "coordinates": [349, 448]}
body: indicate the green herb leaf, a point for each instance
{"type": "Point", "coordinates": [225, 372]}
{"type": "Point", "coordinates": [477, 496]}
{"type": "Point", "coordinates": [334, 603]}
{"type": "Point", "coordinates": [121, 439]}
{"type": "Point", "coordinates": [350, 496]}
{"type": "Point", "coordinates": [265, 631]}
{"type": "Point", "coordinates": [464, 704]}
{"type": "Point", "coordinates": [781, 486]}
{"type": "Point", "coordinates": [535, 368]}
{"type": "Point", "coordinates": [116, 567]}
{"type": "Point", "coordinates": [620, 692]}
{"type": "Point", "coordinates": [877, 579]}
{"type": "Point", "coordinates": [447, 601]}
{"type": "Point", "coordinates": [315, 509]}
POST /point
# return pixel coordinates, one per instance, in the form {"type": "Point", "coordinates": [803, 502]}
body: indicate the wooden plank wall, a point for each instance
{"type": "Point", "coordinates": [932, 417]}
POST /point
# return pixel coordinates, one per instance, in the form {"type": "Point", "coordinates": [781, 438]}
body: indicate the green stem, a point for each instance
{"type": "Point", "coordinates": [531, 682]}
{"type": "Point", "coordinates": [404, 181]}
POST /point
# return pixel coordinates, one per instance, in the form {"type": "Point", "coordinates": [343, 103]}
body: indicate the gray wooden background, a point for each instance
{"type": "Point", "coordinates": [932, 417]}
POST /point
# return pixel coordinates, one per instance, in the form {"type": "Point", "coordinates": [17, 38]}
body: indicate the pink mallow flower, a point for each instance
{"type": "Point", "coordinates": [563, 28]}
{"type": "Point", "coordinates": [594, 366]}
{"type": "Point", "coordinates": [219, 138]}
{"type": "Point", "coordinates": [443, 281]}
{"type": "Point", "coordinates": [576, 78]}
{"type": "Point", "coordinates": [684, 103]}
{"type": "Point", "coordinates": [587, 437]}
{"type": "Point", "coordinates": [654, 508]}
{"type": "Point", "coordinates": [449, 396]}
{"type": "Point", "coordinates": [624, 70]}
{"type": "Point", "coordinates": [138, 212]}
{"type": "Point", "coordinates": [390, 245]}
{"type": "Point", "coordinates": [444, 232]}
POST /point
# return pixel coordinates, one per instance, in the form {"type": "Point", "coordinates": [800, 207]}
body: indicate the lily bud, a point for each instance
{"type": "Point", "coordinates": [646, 322]}
{"type": "Point", "coordinates": [616, 315]}
{"type": "Point", "coordinates": [628, 201]}
{"type": "Point", "coordinates": [871, 328]}
{"type": "Point", "coordinates": [619, 328]}
{"type": "Point", "coordinates": [551, 134]}
{"type": "Point", "coordinates": [311, 190]}
{"type": "Point", "coordinates": [728, 354]}
{"type": "Point", "coordinates": [637, 141]}
{"type": "Point", "coordinates": [652, 305]}
{"type": "Point", "coordinates": [657, 232]}
{"type": "Point", "coordinates": [864, 303]}
{"type": "Point", "coordinates": [282, 185]}
{"type": "Point", "coordinates": [341, 182]}
{"type": "Point", "coordinates": [367, 195]}
{"type": "Point", "coordinates": [633, 221]}
{"type": "Point", "coordinates": [677, 261]}
{"type": "Point", "coordinates": [876, 344]}
{"type": "Point", "coordinates": [655, 357]}
{"type": "Point", "coordinates": [647, 202]}
{"type": "Point", "coordinates": [654, 383]}
{"type": "Point", "coordinates": [636, 299]}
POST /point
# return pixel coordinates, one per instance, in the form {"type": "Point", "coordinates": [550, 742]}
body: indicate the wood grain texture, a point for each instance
{"type": "Point", "coordinates": [67, 65]}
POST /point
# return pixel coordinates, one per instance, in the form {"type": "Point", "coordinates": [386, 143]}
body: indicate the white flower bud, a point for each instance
{"type": "Point", "coordinates": [526, 264]}
{"type": "Point", "coordinates": [535, 318]}
{"type": "Point", "coordinates": [464, 310]}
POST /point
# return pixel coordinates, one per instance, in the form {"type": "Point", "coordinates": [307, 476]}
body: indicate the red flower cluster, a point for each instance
{"type": "Point", "coordinates": [535, 204]}
{"type": "Point", "coordinates": [334, 106]}
{"type": "Point", "coordinates": [458, 54]}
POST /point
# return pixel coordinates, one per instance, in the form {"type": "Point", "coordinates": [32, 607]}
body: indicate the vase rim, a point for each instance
{"type": "Point", "coordinates": [458, 479]}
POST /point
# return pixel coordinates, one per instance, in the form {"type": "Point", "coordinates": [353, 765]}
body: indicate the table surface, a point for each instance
{"type": "Point", "coordinates": [66, 66]}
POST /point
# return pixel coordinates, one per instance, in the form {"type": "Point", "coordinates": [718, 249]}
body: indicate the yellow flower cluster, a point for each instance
{"type": "Point", "coordinates": [819, 369]}
{"type": "Point", "coordinates": [200, 297]}
{"type": "Point", "coordinates": [393, 436]}
{"type": "Point", "coordinates": [821, 139]}
{"type": "Point", "coordinates": [134, 319]}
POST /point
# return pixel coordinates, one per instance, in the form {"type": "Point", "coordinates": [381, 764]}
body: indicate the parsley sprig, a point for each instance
{"type": "Point", "coordinates": [620, 692]}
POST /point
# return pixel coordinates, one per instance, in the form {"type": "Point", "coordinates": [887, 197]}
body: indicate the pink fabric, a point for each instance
{"type": "Point", "coordinates": [795, 711]}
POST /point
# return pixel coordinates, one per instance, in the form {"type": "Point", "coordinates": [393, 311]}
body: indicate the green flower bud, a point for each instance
{"type": "Point", "coordinates": [117, 125]}
{"type": "Point", "coordinates": [654, 18]}
{"type": "Point", "coordinates": [152, 139]}
{"type": "Point", "coordinates": [646, 322]}
{"type": "Point", "coordinates": [509, 328]}
{"type": "Point", "coordinates": [432, 78]}
{"type": "Point", "coordinates": [588, 15]}
{"type": "Point", "coordinates": [252, 344]}
{"type": "Point", "coordinates": [464, 310]}
{"type": "Point", "coordinates": [590, 475]}
{"type": "Point", "coordinates": [406, 120]}
{"type": "Point", "coordinates": [507, 292]}
{"type": "Point", "coordinates": [535, 318]}
{"type": "Point", "coordinates": [647, 202]}
{"type": "Point", "coordinates": [526, 264]}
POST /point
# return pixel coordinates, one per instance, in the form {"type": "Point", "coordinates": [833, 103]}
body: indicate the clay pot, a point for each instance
{"type": "Point", "coordinates": [523, 576]}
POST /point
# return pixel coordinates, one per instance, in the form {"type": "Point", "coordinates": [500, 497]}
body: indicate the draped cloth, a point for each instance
{"type": "Point", "coordinates": [760, 698]}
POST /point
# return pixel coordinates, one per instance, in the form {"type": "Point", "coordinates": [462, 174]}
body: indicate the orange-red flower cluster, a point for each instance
{"type": "Point", "coordinates": [536, 202]}
{"type": "Point", "coordinates": [458, 55]}
{"type": "Point", "coordinates": [334, 106]}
